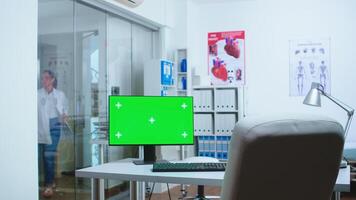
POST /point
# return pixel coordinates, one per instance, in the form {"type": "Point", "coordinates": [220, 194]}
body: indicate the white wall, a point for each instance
{"type": "Point", "coordinates": [269, 25]}
{"type": "Point", "coordinates": [176, 25]}
{"type": "Point", "coordinates": [18, 104]}
{"type": "Point", "coordinates": [169, 15]}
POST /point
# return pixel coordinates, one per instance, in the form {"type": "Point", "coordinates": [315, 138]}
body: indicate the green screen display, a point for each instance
{"type": "Point", "coordinates": [149, 120]}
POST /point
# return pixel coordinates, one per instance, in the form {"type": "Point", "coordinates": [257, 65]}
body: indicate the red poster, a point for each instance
{"type": "Point", "coordinates": [226, 57]}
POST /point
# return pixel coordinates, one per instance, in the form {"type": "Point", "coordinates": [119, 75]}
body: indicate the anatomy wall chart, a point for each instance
{"type": "Point", "coordinates": [309, 62]}
{"type": "Point", "coordinates": [226, 58]}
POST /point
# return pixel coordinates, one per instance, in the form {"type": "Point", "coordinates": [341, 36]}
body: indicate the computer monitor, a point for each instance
{"type": "Point", "coordinates": [150, 121]}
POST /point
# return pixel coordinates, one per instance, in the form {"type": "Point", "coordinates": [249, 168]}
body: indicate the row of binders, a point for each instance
{"type": "Point", "coordinates": [219, 155]}
{"type": "Point", "coordinates": [203, 100]}
{"type": "Point", "coordinates": [203, 124]}
{"type": "Point", "coordinates": [207, 146]}
{"type": "Point", "coordinates": [222, 143]}
{"type": "Point", "coordinates": [225, 100]}
{"type": "Point", "coordinates": [224, 124]}
{"type": "Point", "coordinates": [214, 146]}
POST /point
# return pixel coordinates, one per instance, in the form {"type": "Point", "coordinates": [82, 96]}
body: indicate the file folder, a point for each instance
{"type": "Point", "coordinates": [212, 147]}
{"type": "Point", "coordinates": [203, 124]}
{"type": "Point", "coordinates": [196, 100]}
{"type": "Point", "coordinates": [199, 124]}
{"type": "Point", "coordinates": [218, 100]}
{"type": "Point", "coordinates": [209, 123]}
{"type": "Point", "coordinates": [203, 94]}
{"type": "Point", "coordinates": [225, 100]}
{"type": "Point", "coordinates": [217, 124]}
{"type": "Point", "coordinates": [196, 125]}
{"type": "Point", "coordinates": [223, 124]}
{"type": "Point", "coordinates": [220, 124]}
{"type": "Point", "coordinates": [230, 102]}
{"type": "Point", "coordinates": [225, 144]}
{"type": "Point", "coordinates": [208, 95]}
{"type": "Point", "coordinates": [232, 122]}
{"type": "Point", "coordinates": [219, 144]}
{"type": "Point", "coordinates": [200, 143]}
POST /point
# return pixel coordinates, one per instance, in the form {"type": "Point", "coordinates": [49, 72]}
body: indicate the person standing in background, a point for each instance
{"type": "Point", "coordinates": [52, 112]}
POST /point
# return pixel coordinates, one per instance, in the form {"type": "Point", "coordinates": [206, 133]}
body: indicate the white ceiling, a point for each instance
{"type": "Point", "coordinates": [216, 1]}
{"type": "Point", "coordinates": [49, 9]}
{"type": "Point", "coordinates": [64, 8]}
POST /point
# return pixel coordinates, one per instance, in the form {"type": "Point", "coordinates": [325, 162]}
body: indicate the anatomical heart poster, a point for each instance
{"type": "Point", "coordinates": [309, 62]}
{"type": "Point", "coordinates": [226, 58]}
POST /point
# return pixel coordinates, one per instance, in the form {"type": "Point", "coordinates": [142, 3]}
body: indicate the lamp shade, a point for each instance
{"type": "Point", "coordinates": [313, 96]}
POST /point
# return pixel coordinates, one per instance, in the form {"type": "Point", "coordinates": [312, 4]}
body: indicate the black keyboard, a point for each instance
{"type": "Point", "coordinates": [188, 167]}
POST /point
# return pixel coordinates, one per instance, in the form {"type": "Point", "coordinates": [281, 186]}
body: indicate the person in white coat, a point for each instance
{"type": "Point", "coordinates": [52, 112]}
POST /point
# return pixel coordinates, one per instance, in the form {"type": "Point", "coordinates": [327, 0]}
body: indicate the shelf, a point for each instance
{"type": "Point", "coordinates": [182, 73]}
{"type": "Point", "coordinates": [215, 87]}
{"type": "Point", "coordinates": [213, 134]}
{"type": "Point", "coordinates": [168, 86]}
{"type": "Point", "coordinates": [223, 134]}
{"type": "Point", "coordinates": [230, 111]}
{"type": "Point", "coordinates": [218, 112]}
{"type": "Point", "coordinates": [102, 141]}
{"type": "Point", "coordinates": [203, 87]}
{"type": "Point", "coordinates": [225, 87]}
{"type": "Point", "coordinates": [181, 90]}
{"type": "Point", "coordinates": [213, 114]}
{"type": "Point", "coordinates": [203, 134]}
{"type": "Point", "coordinates": [207, 111]}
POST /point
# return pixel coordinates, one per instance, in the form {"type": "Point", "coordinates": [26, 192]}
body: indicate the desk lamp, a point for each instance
{"type": "Point", "coordinates": [313, 99]}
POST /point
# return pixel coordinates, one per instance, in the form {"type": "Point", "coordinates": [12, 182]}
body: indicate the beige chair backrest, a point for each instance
{"type": "Point", "coordinates": [283, 158]}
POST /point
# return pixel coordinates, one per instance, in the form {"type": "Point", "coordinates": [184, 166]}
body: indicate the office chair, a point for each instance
{"type": "Point", "coordinates": [279, 158]}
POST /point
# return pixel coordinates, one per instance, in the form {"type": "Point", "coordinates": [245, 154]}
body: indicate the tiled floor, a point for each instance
{"type": "Point", "coordinates": [66, 185]}
{"type": "Point", "coordinates": [65, 189]}
{"type": "Point", "coordinates": [175, 193]}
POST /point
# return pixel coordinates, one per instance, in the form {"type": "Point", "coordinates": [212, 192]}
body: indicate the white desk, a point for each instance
{"type": "Point", "coordinates": [126, 170]}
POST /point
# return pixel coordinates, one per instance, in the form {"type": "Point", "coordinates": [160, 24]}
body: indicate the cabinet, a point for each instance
{"type": "Point", "coordinates": [159, 78]}
{"type": "Point", "coordinates": [216, 111]}
{"type": "Point", "coordinates": [182, 72]}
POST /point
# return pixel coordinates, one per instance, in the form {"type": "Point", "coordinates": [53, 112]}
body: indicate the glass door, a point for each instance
{"type": "Point", "coordinates": [56, 105]}
{"type": "Point", "coordinates": [90, 89]}
{"type": "Point", "coordinates": [87, 54]}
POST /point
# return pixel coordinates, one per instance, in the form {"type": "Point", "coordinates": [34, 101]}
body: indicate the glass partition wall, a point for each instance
{"type": "Point", "coordinates": [85, 54]}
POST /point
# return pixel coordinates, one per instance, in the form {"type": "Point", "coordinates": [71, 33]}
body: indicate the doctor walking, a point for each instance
{"type": "Point", "coordinates": [52, 112]}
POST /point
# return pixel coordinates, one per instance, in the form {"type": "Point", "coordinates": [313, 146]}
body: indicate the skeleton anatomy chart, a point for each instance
{"type": "Point", "coordinates": [309, 62]}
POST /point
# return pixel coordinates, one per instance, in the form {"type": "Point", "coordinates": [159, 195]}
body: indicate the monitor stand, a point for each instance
{"type": "Point", "coordinates": [149, 156]}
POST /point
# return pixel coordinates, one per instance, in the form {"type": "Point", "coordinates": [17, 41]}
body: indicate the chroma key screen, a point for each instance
{"type": "Point", "coordinates": [150, 120]}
